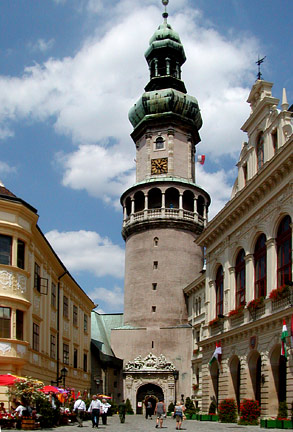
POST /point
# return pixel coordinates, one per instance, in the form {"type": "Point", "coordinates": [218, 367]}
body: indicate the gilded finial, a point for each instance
{"type": "Point", "coordinates": [165, 14]}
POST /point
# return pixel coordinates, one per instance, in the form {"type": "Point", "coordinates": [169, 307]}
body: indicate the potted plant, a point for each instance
{"type": "Point", "coordinates": [236, 312]}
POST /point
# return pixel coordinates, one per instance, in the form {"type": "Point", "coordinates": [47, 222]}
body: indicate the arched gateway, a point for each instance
{"type": "Point", "coordinates": [151, 392]}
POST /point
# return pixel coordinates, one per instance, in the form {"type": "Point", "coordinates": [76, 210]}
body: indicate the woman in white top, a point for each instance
{"type": "Point", "coordinates": [79, 408]}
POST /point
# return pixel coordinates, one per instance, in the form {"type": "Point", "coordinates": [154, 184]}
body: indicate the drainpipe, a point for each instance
{"type": "Point", "coordinates": [58, 326]}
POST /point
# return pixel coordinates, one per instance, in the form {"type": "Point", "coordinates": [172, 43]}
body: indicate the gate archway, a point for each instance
{"type": "Point", "coordinates": [153, 391]}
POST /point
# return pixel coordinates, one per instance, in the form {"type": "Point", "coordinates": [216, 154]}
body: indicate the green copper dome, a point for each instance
{"type": "Point", "coordinates": [166, 38]}
{"type": "Point", "coordinates": [167, 101]}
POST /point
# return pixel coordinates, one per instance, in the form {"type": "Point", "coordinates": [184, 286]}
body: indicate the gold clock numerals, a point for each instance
{"type": "Point", "coordinates": [159, 166]}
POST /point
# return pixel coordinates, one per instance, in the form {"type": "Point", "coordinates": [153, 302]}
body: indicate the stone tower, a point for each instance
{"type": "Point", "coordinates": [163, 213]}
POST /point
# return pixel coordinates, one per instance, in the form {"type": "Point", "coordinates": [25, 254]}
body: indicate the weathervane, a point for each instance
{"type": "Point", "coordinates": [165, 14]}
{"type": "Point", "coordinates": [259, 62]}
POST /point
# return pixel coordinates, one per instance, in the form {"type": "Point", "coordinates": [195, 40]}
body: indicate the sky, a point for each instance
{"type": "Point", "coordinates": [70, 70]}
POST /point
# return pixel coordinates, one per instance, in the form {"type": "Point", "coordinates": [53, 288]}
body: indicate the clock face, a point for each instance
{"type": "Point", "coordinates": [160, 166]}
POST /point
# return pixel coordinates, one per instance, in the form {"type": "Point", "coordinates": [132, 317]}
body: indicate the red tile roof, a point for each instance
{"type": "Point", "coordinates": [4, 191]}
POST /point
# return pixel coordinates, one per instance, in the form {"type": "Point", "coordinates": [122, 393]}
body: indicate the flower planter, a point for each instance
{"type": "Point", "coordinates": [194, 417]}
{"type": "Point", "coordinates": [279, 424]}
{"type": "Point", "coordinates": [287, 424]}
{"type": "Point", "coordinates": [269, 424]}
{"type": "Point", "coordinates": [214, 418]}
{"type": "Point", "coordinates": [204, 417]}
{"type": "Point", "coordinates": [28, 424]}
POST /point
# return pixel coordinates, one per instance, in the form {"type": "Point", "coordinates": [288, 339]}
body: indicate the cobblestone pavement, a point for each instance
{"type": "Point", "coordinates": [137, 423]}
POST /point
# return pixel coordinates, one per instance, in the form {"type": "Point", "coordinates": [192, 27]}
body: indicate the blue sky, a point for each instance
{"type": "Point", "coordinates": [70, 71]}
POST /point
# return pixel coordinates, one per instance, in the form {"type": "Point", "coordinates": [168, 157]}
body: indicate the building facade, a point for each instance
{"type": "Point", "coordinates": [248, 278]}
{"type": "Point", "coordinates": [163, 214]}
{"type": "Point", "coordinates": [45, 316]}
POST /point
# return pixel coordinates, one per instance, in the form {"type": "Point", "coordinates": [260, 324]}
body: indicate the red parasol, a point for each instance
{"type": "Point", "coordinates": [49, 388]}
{"type": "Point", "coordinates": [7, 380]}
{"type": "Point", "coordinates": [101, 396]}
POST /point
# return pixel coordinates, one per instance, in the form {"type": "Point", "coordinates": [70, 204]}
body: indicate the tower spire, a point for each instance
{"type": "Point", "coordinates": [165, 14]}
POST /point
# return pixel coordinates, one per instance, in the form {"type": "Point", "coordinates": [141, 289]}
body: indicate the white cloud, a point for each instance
{"type": "Point", "coordinates": [103, 172]}
{"type": "Point", "coordinates": [41, 45]}
{"type": "Point", "coordinates": [88, 251]}
{"type": "Point", "coordinates": [6, 169]}
{"type": "Point", "coordinates": [218, 185]}
{"type": "Point", "coordinates": [113, 298]}
{"type": "Point", "coordinates": [89, 94]}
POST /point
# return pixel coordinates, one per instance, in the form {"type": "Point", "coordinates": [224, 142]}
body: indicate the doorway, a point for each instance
{"type": "Point", "coordinates": [149, 392]}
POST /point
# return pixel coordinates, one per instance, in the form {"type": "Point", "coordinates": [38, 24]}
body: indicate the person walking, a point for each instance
{"type": "Point", "coordinates": [104, 410]}
{"type": "Point", "coordinates": [160, 411]}
{"type": "Point", "coordinates": [95, 409]}
{"type": "Point", "coordinates": [79, 408]}
{"type": "Point", "coordinates": [149, 409]}
{"type": "Point", "coordinates": [122, 411]}
{"type": "Point", "coordinates": [178, 413]}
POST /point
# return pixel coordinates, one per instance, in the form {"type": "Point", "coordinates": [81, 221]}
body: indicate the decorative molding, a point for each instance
{"type": "Point", "coordinates": [5, 347]}
{"type": "Point", "coordinates": [149, 363]}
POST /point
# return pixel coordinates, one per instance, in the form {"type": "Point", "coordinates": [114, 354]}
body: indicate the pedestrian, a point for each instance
{"type": "Point", "coordinates": [95, 409]}
{"type": "Point", "coordinates": [79, 408]}
{"type": "Point", "coordinates": [149, 409]}
{"type": "Point", "coordinates": [178, 414]}
{"type": "Point", "coordinates": [122, 411]}
{"type": "Point", "coordinates": [104, 410]}
{"type": "Point", "coordinates": [160, 412]}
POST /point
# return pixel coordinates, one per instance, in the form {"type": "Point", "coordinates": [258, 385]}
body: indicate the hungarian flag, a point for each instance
{"type": "Point", "coordinates": [283, 340]}
{"type": "Point", "coordinates": [217, 356]}
{"type": "Point", "coordinates": [201, 159]}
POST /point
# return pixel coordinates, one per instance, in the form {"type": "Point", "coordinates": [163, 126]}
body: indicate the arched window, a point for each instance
{"type": "Point", "coordinates": [188, 200]}
{"type": "Point", "coordinates": [160, 144]}
{"type": "Point", "coordinates": [172, 198]}
{"type": "Point", "coordinates": [284, 252]}
{"type": "Point", "coordinates": [260, 151]}
{"type": "Point", "coordinates": [128, 206]}
{"type": "Point", "coordinates": [260, 267]}
{"type": "Point", "coordinates": [200, 205]}
{"type": "Point", "coordinates": [219, 291]}
{"type": "Point", "coordinates": [155, 198]}
{"type": "Point", "coordinates": [240, 278]}
{"type": "Point", "coordinates": [138, 201]}
{"type": "Point", "coordinates": [156, 241]}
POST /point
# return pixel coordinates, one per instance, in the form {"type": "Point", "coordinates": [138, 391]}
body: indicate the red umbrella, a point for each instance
{"type": "Point", "coordinates": [6, 380]}
{"type": "Point", "coordinates": [49, 388]}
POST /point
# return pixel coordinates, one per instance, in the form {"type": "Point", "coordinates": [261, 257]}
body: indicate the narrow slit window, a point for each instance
{"type": "Point", "coordinates": [155, 265]}
{"type": "Point", "coordinates": [155, 286]}
{"type": "Point", "coordinates": [154, 308]}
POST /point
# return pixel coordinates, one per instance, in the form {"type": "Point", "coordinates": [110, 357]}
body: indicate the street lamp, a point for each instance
{"type": "Point", "coordinates": [176, 376]}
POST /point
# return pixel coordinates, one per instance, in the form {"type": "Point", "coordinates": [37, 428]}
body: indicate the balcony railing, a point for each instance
{"type": "Point", "coordinates": [164, 213]}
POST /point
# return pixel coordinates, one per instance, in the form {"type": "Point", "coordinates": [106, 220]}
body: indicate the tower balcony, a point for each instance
{"type": "Point", "coordinates": [164, 205]}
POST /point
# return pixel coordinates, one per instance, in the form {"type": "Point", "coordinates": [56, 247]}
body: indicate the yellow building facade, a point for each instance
{"type": "Point", "coordinates": [45, 316]}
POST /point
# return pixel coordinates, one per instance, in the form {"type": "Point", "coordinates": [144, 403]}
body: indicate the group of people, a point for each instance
{"type": "Point", "coordinates": [160, 412]}
{"type": "Point", "coordinates": [97, 409]}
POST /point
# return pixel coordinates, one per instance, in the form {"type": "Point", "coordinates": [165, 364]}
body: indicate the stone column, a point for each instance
{"type": "Point", "coordinates": [13, 323]}
{"type": "Point", "coordinates": [195, 209]}
{"type": "Point", "coordinates": [132, 210]}
{"type": "Point", "coordinates": [264, 386]}
{"type": "Point", "coordinates": [167, 66]}
{"type": "Point", "coordinates": [171, 151]}
{"type": "Point", "coordinates": [156, 67]}
{"type": "Point", "coordinates": [249, 277]}
{"type": "Point", "coordinates": [181, 204]}
{"type": "Point", "coordinates": [163, 204]}
{"type": "Point", "coordinates": [271, 265]}
{"type": "Point", "coordinates": [124, 212]}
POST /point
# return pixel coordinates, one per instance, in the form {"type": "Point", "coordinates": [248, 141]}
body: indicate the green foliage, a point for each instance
{"type": "Point", "coordinates": [283, 410]}
{"type": "Point", "coordinates": [113, 409]}
{"type": "Point", "coordinates": [189, 406]}
{"type": "Point", "coordinates": [249, 412]}
{"type": "Point", "coordinates": [213, 407]}
{"type": "Point", "coordinates": [47, 413]}
{"type": "Point", "coordinates": [129, 409]}
{"type": "Point", "coordinates": [27, 390]}
{"type": "Point", "coordinates": [171, 407]}
{"type": "Point", "coordinates": [227, 411]}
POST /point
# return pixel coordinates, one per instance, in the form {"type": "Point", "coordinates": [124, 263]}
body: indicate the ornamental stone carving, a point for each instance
{"type": "Point", "coordinates": [5, 347]}
{"type": "Point", "coordinates": [149, 363]}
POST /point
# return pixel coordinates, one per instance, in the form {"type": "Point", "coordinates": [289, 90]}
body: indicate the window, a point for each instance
{"type": "Point", "coordinates": [155, 265]}
{"type": "Point", "coordinates": [156, 241]}
{"type": "Point", "coordinates": [260, 267]}
{"type": "Point", "coordinates": [5, 249]}
{"type": "Point", "coordinates": [160, 143]}
{"type": "Point", "coordinates": [5, 319]}
{"type": "Point", "coordinates": [65, 306]}
{"type": "Point", "coordinates": [85, 362]}
{"type": "Point", "coordinates": [154, 308]}
{"type": "Point", "coordinates": [20, 253]}
{"type": "Point", "coordinates": [36, 337]}
{"type": "Point", "coordinates": [260, 151]}
{"type": "Point", "coordinates": [53, 295]}
{"type": "Point", "coordinates": [154, 286]}
{"type": "Point", "coordinates": [66, 354]}
{"type": "Point", "coordinates": [115, 384]}
{"type": "Point", "coordinates": [75, 315]}
{"type": "Point", "coordinates": [75, 355]}
{"type": "Point", "coordinates": [284, 252]}
{"type": "Point", "coordinates": [275, 140]}
{"type": "Point", "coordinates": [53, 346]}
{"type": "Point", "coordinates": [37, 278]}
{"type": "Point", "coordinates": [196, 307]}
{"type": "Point", "coordinates": [85, 323]}
{"type": "Point", "coordinates": [199, 306]}
{"type": "Point", "coordinates": [240, 278]}
{"type": "Point", "coordinates": [153, 344]}
{"type": "Point", "coordinates": [19, 324]}
{"type": "Point", "coordinates": [219, 291]}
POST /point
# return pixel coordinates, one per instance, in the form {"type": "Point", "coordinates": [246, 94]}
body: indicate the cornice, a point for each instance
{"type": "Point", "coordinates": [263, 182]}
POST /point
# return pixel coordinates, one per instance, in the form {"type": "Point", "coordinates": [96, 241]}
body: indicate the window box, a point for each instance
{"type": "Point", "coordinates": [279, 293]}
{"type": "Point", "coordinates": [236, 312]}
{"type": "Point", "coordinates": [255, 304]}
